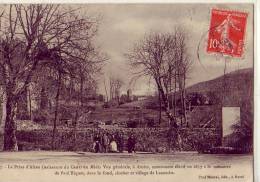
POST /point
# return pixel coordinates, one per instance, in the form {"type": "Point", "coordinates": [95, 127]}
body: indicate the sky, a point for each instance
{"type": "Point", "coordinates": [122, 25]}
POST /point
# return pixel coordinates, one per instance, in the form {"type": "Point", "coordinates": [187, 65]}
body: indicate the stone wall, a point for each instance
{"type": "Point", "coordinates": [148, 139]}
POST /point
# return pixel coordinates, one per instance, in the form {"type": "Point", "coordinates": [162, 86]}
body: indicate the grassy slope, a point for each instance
{"type": "Point", "coordinates": [236, 78]}
{"type": "Point", "coordinates": [239, 92]}
{"type": "Point", "coordinates": [239, 86]}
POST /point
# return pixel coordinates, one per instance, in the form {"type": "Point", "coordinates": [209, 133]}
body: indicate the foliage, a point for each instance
{"type": "Point", "coordinates": [42, 41]}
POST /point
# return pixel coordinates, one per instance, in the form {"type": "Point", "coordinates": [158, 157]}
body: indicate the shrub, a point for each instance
{"type": "Point", "coordinates": [40, 116]}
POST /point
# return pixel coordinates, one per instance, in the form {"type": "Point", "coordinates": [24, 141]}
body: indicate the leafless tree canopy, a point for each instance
{"type": "Point", "coordinates": [35, 37]}
{"type": "Point", "coordinates": [115, 84]}
{"type": "Point", "coordinates": [164, 57]}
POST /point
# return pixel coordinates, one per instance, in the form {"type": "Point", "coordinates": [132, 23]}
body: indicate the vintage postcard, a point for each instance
{"type": "Point", "coordinates": [149, 92]}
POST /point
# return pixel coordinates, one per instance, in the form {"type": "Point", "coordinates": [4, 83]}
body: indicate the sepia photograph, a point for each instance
{"type": "Point", "coordinates": [127, 92]}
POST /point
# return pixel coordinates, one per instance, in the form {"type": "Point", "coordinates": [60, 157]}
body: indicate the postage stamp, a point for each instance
{"type": "Point", "coordinates": [227, 32]}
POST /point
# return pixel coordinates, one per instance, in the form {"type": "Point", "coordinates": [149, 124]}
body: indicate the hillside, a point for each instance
{"type": "Point", "coordinates": [239, 93]}
{"type": "Point", "coordinates": [236, 79]}
{"type": "Point", "coordinates": [238, 87]}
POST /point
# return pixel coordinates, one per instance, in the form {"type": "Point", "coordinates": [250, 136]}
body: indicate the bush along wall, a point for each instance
{"type": "Point", "coordinates": [148, 139]}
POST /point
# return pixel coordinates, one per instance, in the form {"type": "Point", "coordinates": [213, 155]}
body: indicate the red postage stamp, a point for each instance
{"type": "Point", "coordinates": [227, 32]}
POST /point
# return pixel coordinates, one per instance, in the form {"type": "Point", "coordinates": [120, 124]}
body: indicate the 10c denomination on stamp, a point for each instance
{"type": "Point", "coordinates": [227, 32]}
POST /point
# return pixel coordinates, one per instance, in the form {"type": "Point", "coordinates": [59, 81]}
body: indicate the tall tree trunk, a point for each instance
{"type": "Point", "coordinates": [223, 96]}
{"type": "Point", "coordinates": [77, 115]}
{"type": "Point", "coordinates": [164, 98]}
{"type": "Point", "coordinates": [81, 92]}
{"type": "Point", "coordinates": [3, 119]}
{"type": "Point", "coordinates": [183, 106]}
{"type": "Point", "coordinates": [105, 85]}
{"type": "Point", "coordinates": [224, 83]}
{"type": "Point", "coordinates": [174, 96]}
{"type": "Point", "coordinates": [111, 89]}
{"type": "Point", "coordinates": [181, 92]}
{"type": "Point", "coordinates": [173, 124]}
{"type": "Point", "coordinates": [30, 104]}
{"type": "Point", "coordinates": [10, 141]}
{"type": "Point", "coordinates": [160, 109]}
{"type": "Point", "coordinates": [181, 99]}
{"type": "Point", "coordinates": [175, 102]}
{"type": "Point", "coordinates": [56, 112]}
{"type": "Point", "coordinates": [184, 99]}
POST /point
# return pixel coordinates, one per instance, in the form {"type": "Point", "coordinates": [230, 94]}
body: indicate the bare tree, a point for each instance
{"type": "Point", "coordinates": [118, 83]}
{"type": "Point", "coordinates": [115, 84]}
{"type": "Point", "coordinates": [33, 36]}
{"type": "Point", "coordinates": [183, 66]}
{"type": "Point", "coordinates": [105, 86]}
{"type": "Point", "coordinates": [85, 80]}
{"type": "Point", "coordinates": [164, 58]}
{"type": "Point", "coordinates": [154, 56]}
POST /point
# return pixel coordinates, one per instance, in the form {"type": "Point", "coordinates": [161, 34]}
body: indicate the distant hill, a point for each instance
{"type": "Point", "coordinates": [235, 79]}
{"type": "Point", "coordinates": [238, 87]}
